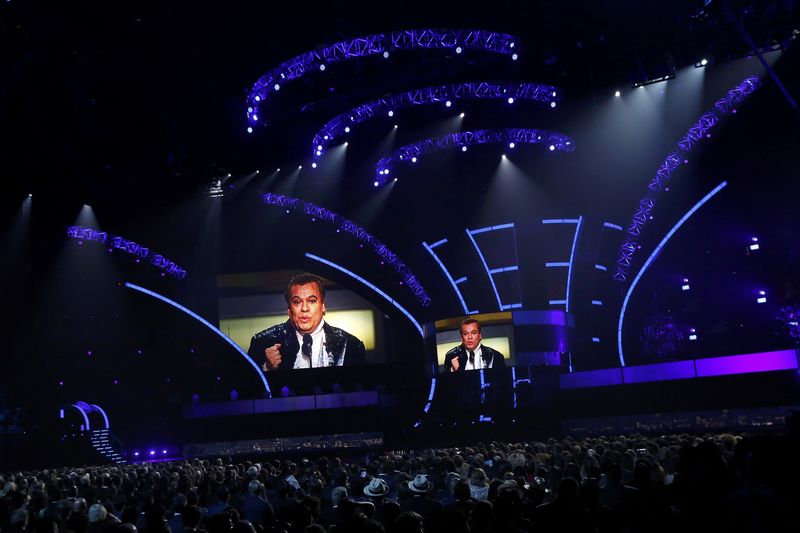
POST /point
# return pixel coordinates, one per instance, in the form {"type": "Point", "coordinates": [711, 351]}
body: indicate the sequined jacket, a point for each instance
{"type": "Point", "coordinates": [338, 343]}
{"type": "Point", "coordinates": [495, 358]}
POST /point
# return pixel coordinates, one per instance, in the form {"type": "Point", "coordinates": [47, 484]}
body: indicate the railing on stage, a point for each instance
{"type": "Point", "coordinates": [278, 405]}
{"type": "Point", "coordinates": [354, 441]}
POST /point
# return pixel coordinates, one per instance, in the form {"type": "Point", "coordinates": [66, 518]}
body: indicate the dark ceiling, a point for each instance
{"type": "Point", "coordinates": [104, 101]}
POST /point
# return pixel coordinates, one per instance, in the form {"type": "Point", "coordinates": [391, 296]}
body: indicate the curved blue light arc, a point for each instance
{"type": "Point", "coordinates": [102, 412]}
{"type": "Point", "coordinates": [653, 257]}
{"type": "Point", "coordinates": [207, 324]}
{"type": "Point", "coordinates": [83, 414]}
{"type": "Point", "coordinates": [572, 260]}
{"type": "Point", "coordinates": [369, 285]}
{"type": "Point", "coordinates": [486, 266]}
{"type": "Point", "coordinates": [447, 274]}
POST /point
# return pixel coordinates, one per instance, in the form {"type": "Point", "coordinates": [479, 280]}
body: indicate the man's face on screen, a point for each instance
{"type": "Point", "coordinates": [306, 307]}
{"type": "Point", "coordinates": [470, 336]}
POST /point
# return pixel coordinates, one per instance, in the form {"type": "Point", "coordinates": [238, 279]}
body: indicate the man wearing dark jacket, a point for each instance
{"type": "Point", "coordinates": [305, 340]}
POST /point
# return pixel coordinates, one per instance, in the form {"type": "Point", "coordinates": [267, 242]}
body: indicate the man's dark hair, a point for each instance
{"type": "Point", "coordinates": [466, 322]}
{"type": "Point", "coordinates": [304, 279]}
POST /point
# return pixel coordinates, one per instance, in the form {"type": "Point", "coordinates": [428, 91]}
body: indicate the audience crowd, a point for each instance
{"type": "Point", "coordinates": [672, 483]}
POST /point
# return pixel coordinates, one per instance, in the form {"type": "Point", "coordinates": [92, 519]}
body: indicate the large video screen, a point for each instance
{"type": "Point", "coordinates": [476, 342]}
{"type": "Point", "coordinates": [295, 321]}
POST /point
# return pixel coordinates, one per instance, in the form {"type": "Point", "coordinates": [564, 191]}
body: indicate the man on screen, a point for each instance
{"type": "Point", "coordinates": [471, 354]}
{"type": "Point", "coordinates": [305, 340]}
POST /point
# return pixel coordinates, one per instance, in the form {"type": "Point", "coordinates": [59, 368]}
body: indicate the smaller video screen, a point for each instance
{"type": "Point", "coordinates": [475, 342]}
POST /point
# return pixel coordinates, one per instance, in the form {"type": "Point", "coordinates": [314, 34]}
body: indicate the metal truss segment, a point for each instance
{"type": "Point", "coordinates": [335, 128]}
{"type": "Point", "coordinates": [348, 226]}
{"type": "Point", "coordinates": [411, 152]}
{"type": "Point", "coordinates": [370, 45]}
{"type": "Point", "coordinates": [658, 183]}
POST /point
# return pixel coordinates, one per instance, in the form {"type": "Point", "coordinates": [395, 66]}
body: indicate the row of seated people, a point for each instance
{"type": "Point", "coordinates": [604, 484]}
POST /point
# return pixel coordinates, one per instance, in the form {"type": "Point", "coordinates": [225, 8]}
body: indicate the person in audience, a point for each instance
{"type": "Point", "coordinates": [419, 501]}
{"type": "Point", "coordinates": [676, 482]}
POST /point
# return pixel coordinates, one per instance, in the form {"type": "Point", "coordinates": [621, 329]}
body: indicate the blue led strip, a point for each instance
{"type": "Point", "coordinates": [504, 269]}
{"type": "Point", "coordinates": [491, 272]}
{"type": "Point", "coordinates": [438, 94]}
{"type": "Point", "coordinates": [653, 257]}
{"type": "Point", "coordinates": [577, 221]}
{"type": "Point", "coordinates": [612, 226]}
{"type": "Point", "coordinates": [453, 282]}
{"type": "Point", "coordinates": [102, 412]}
{"type": "Point", "coordinates": [342, 224]}
{"type": "Point", "coordinates": [381, 43]}
{"type": "Point", "coordinates": [369, 285]}
{"type": "Point", "coordinates": [210, 326]}
{"type": "Point", "coordinates": [430, 399]}
{"type": "Point", "coordinates": [514, 383]}
{"type": "Point", "coordinates": [83, 414]}
{"type": "Point", "coordinates": [572, 260]}
{"type": "Point", "coordinates": [410, 153]}
{"type": "Point", "coordinates": [430, 395]}
{"type": "Point", "coordinates": [601, 267]}
{"type": "Point", "coordinates": [485, 266]}
{"type": "Point", "coordinates": [560, 221]}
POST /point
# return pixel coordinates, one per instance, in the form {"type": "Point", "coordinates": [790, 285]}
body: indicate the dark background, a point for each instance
{"type": "Point", "coordinates": [135, 109]}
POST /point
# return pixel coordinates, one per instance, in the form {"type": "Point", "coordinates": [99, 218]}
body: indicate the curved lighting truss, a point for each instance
{"type": "Point", "coordinates": [652, 258]}
{"type": "Point", "coordinates": [440, 94]}
{"type": "Point", "coordinates": [343, 224]}
{"type": "Point", "coordinates": [411, 152]}
{"type": "Point", "coordinates": [660, 182]}
{"type": "Point", "coordinates": [381, 43]}
{"type": "Point", "coordinates": [115, 242]}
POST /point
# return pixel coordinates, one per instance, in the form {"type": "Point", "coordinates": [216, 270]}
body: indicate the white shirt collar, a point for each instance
{"type": "Point", "coordinates": [318, 352]}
